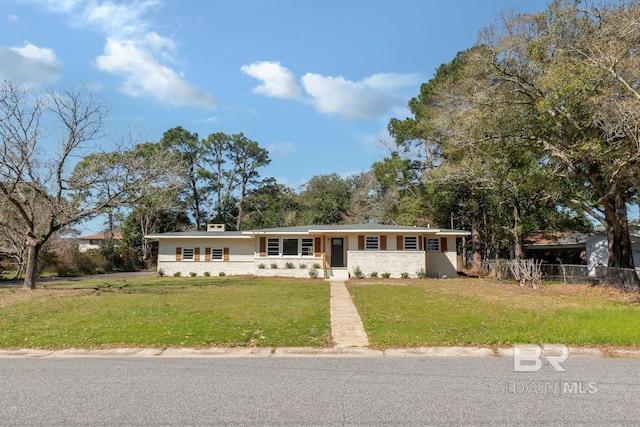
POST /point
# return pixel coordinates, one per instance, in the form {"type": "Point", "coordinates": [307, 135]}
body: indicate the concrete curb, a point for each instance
{"type": "Point", "coordinates": [281, 352]}
{"type": "Point", "coordinates": [553, 350]}
{"type": "Point", "coordinates": [218, 352]}
{"type": "Point", "coordinates": [440, 352]}
{"type": "Point", "coordinates": [627, 353]}
{"type": "Point", "coordinates": [327, 352]}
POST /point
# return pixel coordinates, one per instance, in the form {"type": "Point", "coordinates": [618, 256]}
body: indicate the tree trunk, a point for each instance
{"type": "Point", "coordinates": [464, 250]}
{"type": "Point", "coordinates": [32, 263]}
{"type": "Point", "coordinates": [243, 195]}
{"type": "Point", "coordinates": [240, 215]}
{"type": "Point", "coordinates": [617, 229]}
{"type": "Point", "coordinates": [518, 240]}
{"type": "Point", "coordinates": [476, 260]}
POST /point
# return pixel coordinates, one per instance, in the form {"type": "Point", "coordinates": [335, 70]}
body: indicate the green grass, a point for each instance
{"type": "Point", "coordinates": [167, 312]}
{"type": "Point", "coordinates": [478, 312]}
{"type": "Point", "coordinates": [274, 312]}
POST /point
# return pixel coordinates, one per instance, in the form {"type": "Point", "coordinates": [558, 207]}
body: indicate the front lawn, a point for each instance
{"type": "Point", "coordinates": [483, 312]}
{"type": "Point", "coordinates": [167, 312]}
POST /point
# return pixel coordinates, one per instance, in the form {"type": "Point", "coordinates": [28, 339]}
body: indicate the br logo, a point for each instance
{"type": "Point", "coordinates": [528, 358]}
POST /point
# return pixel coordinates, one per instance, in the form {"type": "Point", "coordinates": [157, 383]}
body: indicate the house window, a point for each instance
{"type": "Point", "coordinates": [187, 254]}
{"type": "Point", "coordinates": [273, 247]}
{"type": "Point", "coordinates": [289, 246]}
{"type": "Point", "coordinates": [433, 245]}
{"type": "Point", "coordinates": [410, 243]}
{"type": "Point", "coordinates": [307, 247]}
{"type": "Point", "coordinates": [216, 254]}
{"type": "Point", "coordinates": [371, 243]}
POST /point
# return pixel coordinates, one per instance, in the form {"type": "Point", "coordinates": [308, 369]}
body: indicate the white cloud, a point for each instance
{"type": "Point", "coordinates": [12, 18]}
{"type": "Point", "coordinates": [351, 100]}
{"type": "Point", "coordinates": [29, 64]}
{"type": "Point", "coordinates": [60, 5]}
{"type": "Point", "coordinates": [281, 148]}
{"type": "Point", "coordinates": [277, 81]}
{"type": "Point", "coordinates": [392, 81]}
{"type": "Point", "coordinates": [126, 19]}
{"type": "Point", "coordinates": [142, 57]}
{"type": "Point", "coordinates": [144, 75]}
{"type": "Point", "coordinates": [372, 97]}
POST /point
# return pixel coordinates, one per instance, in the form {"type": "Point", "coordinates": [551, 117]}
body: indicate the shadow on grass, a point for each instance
{"type": "Point", "coordinates": [144, 286]}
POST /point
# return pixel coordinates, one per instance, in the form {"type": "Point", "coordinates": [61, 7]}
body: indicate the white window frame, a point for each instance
{"type": "Point", "coordinates": [217, 254]}
{"type": "Point", "coordinates": [431, 246]}
{"type": "Point", "coordinates": [410, 243]}
{"type": "Point", "coordinates": [273, 243]}
{"type": "Point", "coordinates": [185, 254]}
{"type": "Point", "coordinates": [307, 246]}
{"type": "Point", "coordinates": [372, 243]}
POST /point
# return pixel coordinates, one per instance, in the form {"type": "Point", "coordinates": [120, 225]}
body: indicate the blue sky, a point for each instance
{"type": "Point", "coordinates": [314, 82]}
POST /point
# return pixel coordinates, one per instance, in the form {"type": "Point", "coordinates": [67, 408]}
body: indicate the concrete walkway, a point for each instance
{"type": "Point", "coordinates": [346, 326]}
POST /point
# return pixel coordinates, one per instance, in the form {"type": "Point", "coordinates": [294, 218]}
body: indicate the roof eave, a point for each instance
{"type": "Point", "coordinates": [164, 236]}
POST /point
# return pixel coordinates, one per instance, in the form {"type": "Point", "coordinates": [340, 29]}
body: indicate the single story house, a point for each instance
{"type": "Point", "coordinates": [93, 241]}
{"type": "Point", "coordinates": [331, 251]}
{"type": "Point", "coordinates": [557, 247]}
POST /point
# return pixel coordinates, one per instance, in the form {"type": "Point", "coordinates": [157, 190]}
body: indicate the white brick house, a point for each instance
{"type": "Point", "coordinates": [326, 250]}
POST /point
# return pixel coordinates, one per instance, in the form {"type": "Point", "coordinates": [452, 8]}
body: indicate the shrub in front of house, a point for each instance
{"type": "Point", "coordinates": [386, 275]}
{"type": "Point", "coordinates": [193, 274]}
{"type": "Point", "coordinates": [421, 274]}
{"type": "Point", "coordinates": [357, 272]}
{"type": "Point", "coordinates": [274, 265]}
{"type": "Point", "coordinates": [289, 265]}
{"type": "Point", "coordinates": [404, 275]}
{"type": "Point", "coordinates": [206, 274]}
{"type": "Point", "coordinates": [177, 274]}
{"type": "Point", "coordinates": [374, 274]}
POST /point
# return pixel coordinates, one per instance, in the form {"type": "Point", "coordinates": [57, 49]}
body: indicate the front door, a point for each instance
{"type": "Point", "coordinates": [337, 252]}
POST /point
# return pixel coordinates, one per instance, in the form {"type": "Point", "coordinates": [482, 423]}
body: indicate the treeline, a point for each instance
{"type": "Point", "coordinates": [536, 126]}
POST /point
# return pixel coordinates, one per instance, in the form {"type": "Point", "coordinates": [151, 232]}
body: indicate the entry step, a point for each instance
{"type": "Point", "coordinates": [339, 274]}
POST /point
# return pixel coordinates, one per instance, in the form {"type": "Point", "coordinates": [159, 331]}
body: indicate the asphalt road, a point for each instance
{"type": "Point", "coordinates": [316, 391]}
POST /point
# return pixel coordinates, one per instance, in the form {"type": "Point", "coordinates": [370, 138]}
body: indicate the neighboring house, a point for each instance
{"type": "Point", "coordinates": [332, 250]}
{"type": "Point", "coordinates": [557, 247]}
{"type": "Point", "coordinates": [598, 250]}
{"type": "Point", "coordinates": [93, 242]}
{"type": "Point", "coordinates": [576, 248]}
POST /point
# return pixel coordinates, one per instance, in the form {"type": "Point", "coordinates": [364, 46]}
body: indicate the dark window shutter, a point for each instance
{"type": "Point", "coordinates": [263, 246]}
{"type": "Point", "coordinates": [443, 244]}
{"type": "Point", "coordinates": [361, 243]}
{"type": "Point", "coordinates": [317, 249]}
{"type": "Point", "coordinates": [196, 254]}
{"type": "Point", "coordinates": [207, 254]}
{"type": "Point", "coordinates": [383, 243]}
{"type": "Point", "coordinates": [400, 243]}
{"type": "Point", "coordinates": [178, 254]}
{"type": "Point", "coordinates": [225, 254]}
